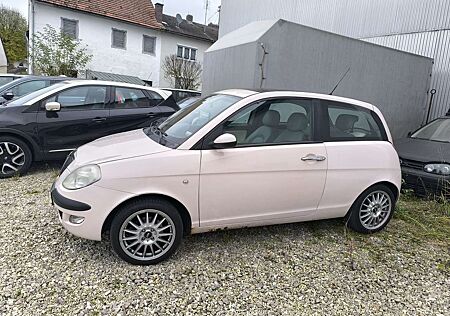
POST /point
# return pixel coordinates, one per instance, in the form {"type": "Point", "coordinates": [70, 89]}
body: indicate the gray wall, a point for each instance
{"type": "Point", "coordinates": [416, 26]}
{"type": "Point", "coordinates": [353, 18]}
{"type": "Point", "coordinates": [305, 59]}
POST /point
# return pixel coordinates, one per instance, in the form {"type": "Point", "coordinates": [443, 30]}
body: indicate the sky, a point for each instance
{"type": "Point", "coordinates": [171, 7]}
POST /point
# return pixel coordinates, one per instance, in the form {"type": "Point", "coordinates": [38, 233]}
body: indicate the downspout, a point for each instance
{"type": "Point", "coordinates": [30, 35]}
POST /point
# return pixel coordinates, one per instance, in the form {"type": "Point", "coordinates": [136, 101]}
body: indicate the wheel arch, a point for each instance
{"type": "Point", "coordinates": [35, 151]}
{"type": "Point", "coordinates": [184, 213]}
{"type": "Point", "coordinates": [389, 184]}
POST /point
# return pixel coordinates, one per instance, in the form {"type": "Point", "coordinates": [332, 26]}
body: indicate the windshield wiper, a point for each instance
{"type": "Point", "coordinates": [161, 134]}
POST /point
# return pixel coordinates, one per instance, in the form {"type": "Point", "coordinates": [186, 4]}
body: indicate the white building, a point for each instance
{"type": "Point", "coordinates": [124, 37]}
{"type": "Point", "coordinates": [3, 60]}
{"type": "Point", "coordinates": [416, 26]}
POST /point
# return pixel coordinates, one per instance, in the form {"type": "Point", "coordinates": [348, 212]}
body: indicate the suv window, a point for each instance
{"type": "Point", "coordinates": [81, 98]}
{"type": "Point", "coordinates": [28, 87]}
{"type": "Point", "coordinates": [126, 98]}
{"type": "Point", "coordinates": [279, 121]}
{"type": "Point", "coordinates": [351, 122]}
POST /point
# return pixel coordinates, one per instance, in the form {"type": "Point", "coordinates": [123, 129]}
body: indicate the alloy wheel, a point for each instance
{"type": "Point", "coordinates": [375, 210]}
{"type": "Point", "coordinates": [147, 234]}
{"type": "Point", "coordinates": [12, 158]}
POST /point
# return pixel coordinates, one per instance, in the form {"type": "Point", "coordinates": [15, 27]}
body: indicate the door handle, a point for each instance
{"type": "Point", "coordinates": [313, 157]}
{"type": "Point", "coordinates": [99, 119]}
{"type": "Point", "coordinates": [151, 114]}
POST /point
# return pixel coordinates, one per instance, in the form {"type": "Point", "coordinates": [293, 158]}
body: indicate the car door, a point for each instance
{"type": "Point", "coordinates": [358, 153]}
{"type": "Point", "coordinates": [276, 173]}
{"type": "Point", "coordinates": [133, 108]}
{"type": "Point", "coordinates": [82, 118]}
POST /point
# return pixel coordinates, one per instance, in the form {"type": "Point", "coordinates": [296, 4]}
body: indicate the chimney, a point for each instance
{"type": "Point", "coordinates": [159, 11]}
{"type": "Point", "coordinates": [189, 18]}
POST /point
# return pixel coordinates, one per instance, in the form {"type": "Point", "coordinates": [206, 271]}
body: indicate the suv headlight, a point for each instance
{"type": "Point", "coordinates": [438, 168]}
{"type": "Point", "coordinates": [82, 177]}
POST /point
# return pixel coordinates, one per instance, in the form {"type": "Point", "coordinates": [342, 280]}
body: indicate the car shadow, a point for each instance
{"type": "Point", "coordinates": [222, 244]}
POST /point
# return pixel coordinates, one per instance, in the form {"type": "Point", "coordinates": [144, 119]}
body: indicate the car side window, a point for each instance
{"type": "Point", "coordinates": [81, 98]}
{"type": "Point", "coordinates": [126, 98]}
{"type": "Point", "coordinates": [272, 122]}
{"type": "Point", "coordinates": [155, 98]}
{"type": "Point", "coordinates": [351, 122]}
{"type": "Point", "coordinates": [28, 87]}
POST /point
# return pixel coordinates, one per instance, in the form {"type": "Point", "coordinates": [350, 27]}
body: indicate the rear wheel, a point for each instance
{"type": "Point", "coordinates": [146, 231]}
{"type": "Point", "coordinates": [372, 210]}
{"type": "Point", "coordinates": [15, 157]}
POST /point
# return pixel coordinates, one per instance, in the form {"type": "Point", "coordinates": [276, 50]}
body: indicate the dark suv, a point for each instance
{"type": "Point", "coordinates": [48, 124]}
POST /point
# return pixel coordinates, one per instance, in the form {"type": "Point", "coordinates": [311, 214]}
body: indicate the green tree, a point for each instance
{"type": "Point", "coordinates": [13, 27]}
{"type": "Point", "coordinates": [54, 53]}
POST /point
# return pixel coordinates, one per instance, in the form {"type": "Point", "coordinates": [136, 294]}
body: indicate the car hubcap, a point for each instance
{"type": "Point", "coordinates": [12, 158]}
{"type": "Point", "coordinates": [375, 210]}
{"type": "Point", "coordinates": [147, 234]}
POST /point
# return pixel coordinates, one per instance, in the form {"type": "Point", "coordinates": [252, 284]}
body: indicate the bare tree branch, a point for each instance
{"type": "Point", "coordinates": [185, 74]}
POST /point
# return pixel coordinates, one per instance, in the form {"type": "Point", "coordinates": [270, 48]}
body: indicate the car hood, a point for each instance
{"type": "Point", "coordinates": [116, 147]}
{"type": "Point", "coordinates": [423, 150]}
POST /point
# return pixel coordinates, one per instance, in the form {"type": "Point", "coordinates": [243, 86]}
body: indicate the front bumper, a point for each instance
{"type": "Point", "coordinates": [66, 203]}
{"type": "Point", "coordinates": [93, 203]}
{"type": "Point", "coordinates": [424, 183]}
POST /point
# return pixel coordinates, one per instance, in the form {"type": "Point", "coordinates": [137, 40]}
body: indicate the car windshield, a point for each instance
{"type": "Point", "coordinates": [438, 130]}
{"type": "Point", "coordinates": [187, 102]}
{"type": "Point", "coordinates": [32, 95]}
{"type": "Point", "coordinates": [5, 80]}
{"type": "Point", "coordinates": [186, 122]}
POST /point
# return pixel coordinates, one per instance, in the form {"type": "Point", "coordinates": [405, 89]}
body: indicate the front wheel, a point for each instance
{"type": "Point", "coordinates": [372, 210]}
{"type": "Point", "coordinates": [15, 157]}
{"type": "Point", "coordinates": [146, 231]}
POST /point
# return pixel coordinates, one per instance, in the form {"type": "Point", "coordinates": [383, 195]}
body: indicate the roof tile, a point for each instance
{"type": "Point", "coordinates": [141, 12]}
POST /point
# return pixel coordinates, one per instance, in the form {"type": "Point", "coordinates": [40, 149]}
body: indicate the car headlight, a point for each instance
{"type": "Point", "coordinates": [82, 177]}
{"type": "Point", "coordinates": [438, 168]}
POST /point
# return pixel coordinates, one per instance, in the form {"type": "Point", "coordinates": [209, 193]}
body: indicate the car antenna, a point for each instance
{"type": "Point", "coordinates": [342, 78]}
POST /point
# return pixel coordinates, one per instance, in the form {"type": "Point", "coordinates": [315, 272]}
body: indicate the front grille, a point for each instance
{"type": "Point", "coordinates": [67, 162]}
{"type": "Point", "coordinates": [412, 164]}
{"type": "Point", "coordinates": [426, 186]}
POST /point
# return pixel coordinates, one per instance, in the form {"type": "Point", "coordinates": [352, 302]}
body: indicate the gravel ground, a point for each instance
{"type": "Point", "coordinates": [306, 268]}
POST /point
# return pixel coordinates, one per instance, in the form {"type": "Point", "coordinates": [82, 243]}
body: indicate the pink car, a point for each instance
{"type": "Point", "coordinates": [233, 159]}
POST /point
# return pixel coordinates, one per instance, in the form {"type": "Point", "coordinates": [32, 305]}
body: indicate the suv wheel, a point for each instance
{"type": "Point", "coordinates": [146, 231]}
{"type": "Point", "coordinates": [15, 157]}
{"type": "Point", "coordinates": [372, 210]}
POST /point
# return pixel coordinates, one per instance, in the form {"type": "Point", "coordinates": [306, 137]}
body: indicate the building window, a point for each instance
{"type": "Point", "coordinates": [119, 39]}
{"type": "Point", "coordinates": [148, 44]}
{"type": "Point", "coordinates": [69, 28]}
{"type": "Point", "coordinates": [186, 52]}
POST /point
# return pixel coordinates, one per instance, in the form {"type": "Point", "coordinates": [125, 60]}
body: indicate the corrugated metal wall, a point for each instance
{"type": "Point", "coordinates": [435, 44]}
{"type": "Point", "coordinates": [416, 26]}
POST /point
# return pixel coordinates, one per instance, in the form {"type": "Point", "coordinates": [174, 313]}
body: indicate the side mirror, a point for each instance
{"type": "Point", "coordinates": [52, 106]}
{"type": "Point", "coordinates": [8, 95]}
{"type": "Point", "coordinates": [226, 140]}
{"type": "Point", "coordinates": [409, 134]}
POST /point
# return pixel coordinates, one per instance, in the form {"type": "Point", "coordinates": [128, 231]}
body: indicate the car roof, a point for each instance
{"type": "Point", "coordinates": [11, 75]}
{"type": "Point", "coordinates": [281, 93]}
{"type": "Point", "coordinates": [83, 82]}
{"type": "Point", "coordinates": [181, 90]}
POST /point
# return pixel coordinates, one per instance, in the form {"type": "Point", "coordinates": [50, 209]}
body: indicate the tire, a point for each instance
{"type": "Point", "coordinates": [372, 210]}
{"type": "Point", "coordinates": [146, 231]}
{"type": "Point", "coordinates": [15, 157]}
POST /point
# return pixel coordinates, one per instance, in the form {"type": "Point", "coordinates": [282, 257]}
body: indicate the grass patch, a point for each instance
{"type": "Point", "coordinates": [424, 219]}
